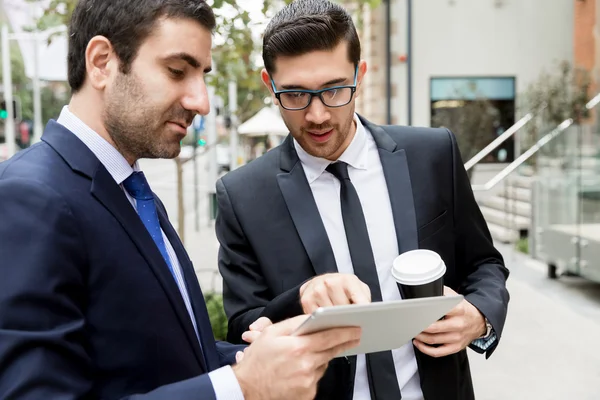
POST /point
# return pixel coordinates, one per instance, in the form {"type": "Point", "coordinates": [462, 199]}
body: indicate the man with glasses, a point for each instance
{"type": "Point", "coordinates": [319, 220]}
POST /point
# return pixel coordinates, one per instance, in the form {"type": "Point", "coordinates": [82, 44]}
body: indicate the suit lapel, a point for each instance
{"type": "Point", "coordinates": [303, 210]}
{"type": "Point", "coordinates": [81, 159]}
{"type": "Point", "coordinates": [196, 297]}
{"type": "Point", "coordinates": [107, 192]}
{"type": "Point", "coordinates": [397, 177]}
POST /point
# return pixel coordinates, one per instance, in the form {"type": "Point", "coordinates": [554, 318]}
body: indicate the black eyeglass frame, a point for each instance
{"type": "Point", "coordinates": [315, 93]}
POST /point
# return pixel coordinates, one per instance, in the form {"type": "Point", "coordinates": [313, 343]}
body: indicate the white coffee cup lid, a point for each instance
{"type": "Point", "coordinates": [417, 267]}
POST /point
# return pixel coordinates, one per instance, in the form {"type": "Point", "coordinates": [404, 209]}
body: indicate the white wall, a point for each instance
{"type": "Point", "coordinates": [469, 38]}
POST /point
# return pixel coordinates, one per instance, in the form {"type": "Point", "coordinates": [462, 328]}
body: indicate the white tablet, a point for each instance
{"type": "Point", "coordinates": [385, 325]}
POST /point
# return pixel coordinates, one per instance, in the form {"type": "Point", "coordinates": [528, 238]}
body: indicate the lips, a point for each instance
{"type": "Point", "coordinates": [179, 127]}
{"type": "Point", "coordinates": [320, 136]}
{"type": "Point", "coordinates": [181, 124]}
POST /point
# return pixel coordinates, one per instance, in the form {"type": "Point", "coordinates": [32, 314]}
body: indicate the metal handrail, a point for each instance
{"type": "Point", "coordinates": [534, 149]}
{"type": "Point", "coordinates": [498, 141]}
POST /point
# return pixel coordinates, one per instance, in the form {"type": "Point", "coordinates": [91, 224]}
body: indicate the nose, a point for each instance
{"type": "Point", "coordinates": [196, 97]}
{"type": "Point", "coordinates": [317, 112]}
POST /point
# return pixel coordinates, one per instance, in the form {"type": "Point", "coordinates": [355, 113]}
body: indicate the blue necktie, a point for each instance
{"type": "Point", "coordinates": [137, 186]}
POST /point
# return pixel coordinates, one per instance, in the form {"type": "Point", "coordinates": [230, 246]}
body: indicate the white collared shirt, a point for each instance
{"type": "Point", "coordinates": [366, 174]}
{"type": "Point", "coordinates": [224, 381]}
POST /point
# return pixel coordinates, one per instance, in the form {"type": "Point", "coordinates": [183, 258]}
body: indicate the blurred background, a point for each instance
{"type": "Point", "coordinates": [515, 80]}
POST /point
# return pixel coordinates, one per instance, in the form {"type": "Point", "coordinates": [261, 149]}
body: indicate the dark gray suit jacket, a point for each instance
{"type": "Point", "coordinates": [273, 239]}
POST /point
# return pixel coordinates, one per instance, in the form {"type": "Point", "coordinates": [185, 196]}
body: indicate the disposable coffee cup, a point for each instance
{"type": "Point", "coordinates": [419, 273]}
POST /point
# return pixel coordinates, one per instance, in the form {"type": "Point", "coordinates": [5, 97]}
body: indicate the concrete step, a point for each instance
{"type": "Point", "coordinates": [521, 208]}
{"type": "Point", "coordinates": [516, 193]}
{"type": "Point", "coordinates": [501, 218]}
{"type": "Point", "coordinates": [521, 181]}
{"type": "Point", "coordinates": [588, 150]}
{"type": "Point", "coordinates": [592, 163]}
{"type": "Point", "coordinates": [524, 170]}
{"type": "Point", "coordinates": [503, 235]}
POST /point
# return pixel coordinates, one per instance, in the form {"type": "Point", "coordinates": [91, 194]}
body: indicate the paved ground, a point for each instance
{"type": "Point", "coordinates": [547, 351]}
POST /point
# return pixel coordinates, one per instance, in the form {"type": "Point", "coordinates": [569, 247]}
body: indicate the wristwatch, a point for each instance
{"type": "Point", "coordinates": [488, 331]}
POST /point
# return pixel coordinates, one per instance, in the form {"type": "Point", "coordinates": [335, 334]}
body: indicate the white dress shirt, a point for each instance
{"type": "Point", "coordinates": [366, 173]}
{"type": "Point", "coordinates": [224, 381]}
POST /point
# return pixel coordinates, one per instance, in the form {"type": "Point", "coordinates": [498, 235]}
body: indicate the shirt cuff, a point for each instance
{"type": "Point", "coordinates": [484, 343]}
{"type": "Point", "coordinates": [225, 384]}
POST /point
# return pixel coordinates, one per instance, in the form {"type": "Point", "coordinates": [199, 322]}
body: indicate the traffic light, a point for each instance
{"type": "Point", "coordinates": [16, 110]}
{"type": "Point", "coordinates": [198, 125]}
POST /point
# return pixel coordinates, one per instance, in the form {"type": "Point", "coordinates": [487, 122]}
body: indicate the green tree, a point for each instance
{"type": "Point", "coordinates": [235, 59]}
{"type": "Point", "coordinates": [554, 97]}
{"type": "Point", "coordinates": [216, 314]}
{"type": "Point", "coordinates": [234, 56]}
{"type": "Point", "coordinates": [562, 93]}
{"type": "Point", "coordinates": [53, 100]}
{"type": "Point", "coordinates": [21, 83]}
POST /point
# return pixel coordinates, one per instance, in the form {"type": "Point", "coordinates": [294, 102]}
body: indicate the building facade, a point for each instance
{"type": "Point", "coordinates": [466, 49]}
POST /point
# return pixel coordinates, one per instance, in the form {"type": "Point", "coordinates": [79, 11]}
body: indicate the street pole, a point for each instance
{"type": "Point", "coordinates": [409, 60]}
{"type": "Point", "coordinates": [195, 157]}
{"type": "Point", "coordinates": [211, 139]}
{"type": "Point", "coordinates": [388, 62]}
{"type": "Point", "coordinates": [233, 138]}
{"type": "Point", "coordinates": [9, 124]}
{"type": "Point", "coordinates": [37, 95]}
{"type": "Point", "coordinates": [180, 206]}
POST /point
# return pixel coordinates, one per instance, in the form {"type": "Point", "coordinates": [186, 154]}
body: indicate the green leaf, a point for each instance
{"type": "Point", "coordinates": [216, 314]}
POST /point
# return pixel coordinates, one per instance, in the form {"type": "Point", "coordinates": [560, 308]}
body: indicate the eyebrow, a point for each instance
{"type": "Point", "coordinates": [331, 82]}
{"type": "Point", "coordinates": [192, 61]}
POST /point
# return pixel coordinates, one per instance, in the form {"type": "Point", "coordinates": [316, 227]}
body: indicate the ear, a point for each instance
{"type": "Point", "coordinates": [266, 79]}
{"type": "Point", "coordinates": [362, 70]}
{"type": "Point", "coordinates": [101, 62]}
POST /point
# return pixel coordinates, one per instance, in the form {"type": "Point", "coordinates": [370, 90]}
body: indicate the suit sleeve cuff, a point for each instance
{"type": "Point", "coordinates": [284, 306]}
{"type": "Point", "coordinates": [225, 384]}
{"type": "Point", "coordinates": [482, 344]}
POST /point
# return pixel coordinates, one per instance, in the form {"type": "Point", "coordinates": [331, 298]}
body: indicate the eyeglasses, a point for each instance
{"type": "Point", "coordinates": [299, 99]}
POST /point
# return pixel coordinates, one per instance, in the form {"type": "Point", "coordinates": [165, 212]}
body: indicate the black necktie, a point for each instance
{"type": "Point", "coordinates": [383, 382]}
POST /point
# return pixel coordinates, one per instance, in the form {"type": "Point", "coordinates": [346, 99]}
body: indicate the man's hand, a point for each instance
{"type": "Point", "coordinates": [255, 329]}
{"type": "Point", "coordinates": [463, 324]}
{"type": "Point", "coordinates": [333, 290]}
{"type": "Point", "coordinates": [251, 335]}
{"type": "Point", "coordinates": [278, 365]}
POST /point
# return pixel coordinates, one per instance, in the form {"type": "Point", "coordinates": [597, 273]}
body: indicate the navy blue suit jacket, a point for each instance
{"type": "Point", "coordinates": [88, 307]}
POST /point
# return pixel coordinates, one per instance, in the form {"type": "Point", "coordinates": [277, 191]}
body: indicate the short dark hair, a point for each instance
{"type": "Point", "coordinates": [126, 23]}
{"type": "Point", "coordinates": [309, 25]}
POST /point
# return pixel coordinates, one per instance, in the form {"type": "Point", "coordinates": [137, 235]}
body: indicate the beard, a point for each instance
{"type": "Point", "coordinates": [138, 127]}
{"type": "Point", "coordinates": [335, 146]}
